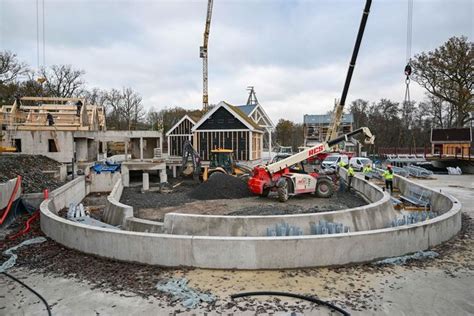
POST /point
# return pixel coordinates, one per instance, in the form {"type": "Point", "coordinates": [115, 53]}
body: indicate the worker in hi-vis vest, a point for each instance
{"type": "Point", "coordinates": [388, 176]}
{"type": "Point", "coordinates": [341, 164]}
{"type": "Point", "coordinates": [350, 176]}
{"type": "Point", "coordinates": [367, 171]}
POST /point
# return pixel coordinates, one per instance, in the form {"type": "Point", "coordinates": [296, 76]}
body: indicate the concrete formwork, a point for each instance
{"type": "Point", "coordinates": [249, 252]}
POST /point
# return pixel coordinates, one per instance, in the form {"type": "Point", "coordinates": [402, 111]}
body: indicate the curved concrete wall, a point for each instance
{"type": "Point", "coordinates": [251, 252]}
{"type": "Point", "coordinates": [116, 213]}
{"type": "Point", "coordinates": [375, 215]}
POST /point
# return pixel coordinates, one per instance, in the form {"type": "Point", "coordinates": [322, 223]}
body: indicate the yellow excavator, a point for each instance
{"type": "Point", "coordinates": [220, 160]}
{"type": "Point", "coordinates": [6, 149]}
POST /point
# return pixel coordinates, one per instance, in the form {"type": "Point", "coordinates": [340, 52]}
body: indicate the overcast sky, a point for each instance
{"type": "Point", "coordinates": [295, 53]}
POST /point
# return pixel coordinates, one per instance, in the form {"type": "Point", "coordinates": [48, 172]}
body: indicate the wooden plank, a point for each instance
{"type": "Point", "coordinates": [51, 99]}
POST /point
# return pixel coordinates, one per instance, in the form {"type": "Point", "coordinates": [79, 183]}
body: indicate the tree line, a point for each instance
{"type": "Point", "coordinates": [446, 74]}
{"type": "Point", "coordinates": [124, 108]}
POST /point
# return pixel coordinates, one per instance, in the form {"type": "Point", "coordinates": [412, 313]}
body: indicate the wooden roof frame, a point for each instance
{"type": "Point", "coordinates": [168, 133]}
{"type": "Point", "coordinates": [229, 108]}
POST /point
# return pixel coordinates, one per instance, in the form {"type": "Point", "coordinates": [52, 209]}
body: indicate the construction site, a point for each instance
{"type": "Point", "coordinates": [214, 215]}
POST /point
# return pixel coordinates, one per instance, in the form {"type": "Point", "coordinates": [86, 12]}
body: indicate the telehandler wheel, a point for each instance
{"type": "Point", "coordinates": [283, 192]}
{"type": "Point", "coordinates": [265, 192]}
{"type": "Point", "coordinates": [324, 188]}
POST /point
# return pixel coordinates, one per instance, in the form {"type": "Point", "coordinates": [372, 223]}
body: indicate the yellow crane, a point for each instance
{"type": "Point", "coordinates": [203, 55]}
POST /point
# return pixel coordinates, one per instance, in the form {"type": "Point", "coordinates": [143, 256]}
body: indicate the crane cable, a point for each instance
{"type": "Point", "coordinates": [40, 36]}
{"type": "Point", "coordinates": [408, 69]}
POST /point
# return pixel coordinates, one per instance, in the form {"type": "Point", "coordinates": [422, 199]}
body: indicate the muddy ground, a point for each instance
{"type": "Point", "coordinates": [77, 283]}
{"type": "Point", "coordinates": [358, 288]}
{"type": "Point", "coordinates": [154, 205]}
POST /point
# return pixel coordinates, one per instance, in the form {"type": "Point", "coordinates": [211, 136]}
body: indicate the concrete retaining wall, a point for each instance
{"type": "Point", "coordinates": [116, 213]}
{"type": "Point", "coordinates": [375, 215]}
{"type": "Point", "coordinates": [72, 192]}
{"type": "Point", "coordinates": [143, 225]}
{"type": "Point", "coordinates": [437, 199]}
{"type": "Point", "coordinates": [6, 190]}
{"type": "Point", "coordinates": [251, 252]}
{"type": "Point", "coordinates": [103, 182]}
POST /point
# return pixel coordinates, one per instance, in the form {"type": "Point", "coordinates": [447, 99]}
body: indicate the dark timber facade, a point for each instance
{"type": "Point", "coordinates": [178, 134]}
{"type": "Point", "coordinates": [226, 126]}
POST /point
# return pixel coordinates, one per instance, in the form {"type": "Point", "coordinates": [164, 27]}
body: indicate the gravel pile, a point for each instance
{"type": "Point", "coordinates": [221, 186]}
{"type": "Point", "coordinates": [31, 168]}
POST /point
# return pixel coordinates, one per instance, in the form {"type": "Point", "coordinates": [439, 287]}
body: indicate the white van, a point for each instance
{"type": "Point", "coordinates": [358, 163]}
{"type": "Point", "coordinates": [331, 161]}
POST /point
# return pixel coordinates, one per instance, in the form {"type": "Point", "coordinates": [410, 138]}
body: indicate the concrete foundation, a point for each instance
{"type": "Point", "coordinates": [231, 252]}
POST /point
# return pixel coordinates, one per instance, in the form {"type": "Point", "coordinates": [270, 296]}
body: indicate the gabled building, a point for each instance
{"type": "Point", "coordinates": [178, 134]}
{"type": "Point", "coordinates": [227, 126]}
{"type": "Point", "coordinates": [261, 118]}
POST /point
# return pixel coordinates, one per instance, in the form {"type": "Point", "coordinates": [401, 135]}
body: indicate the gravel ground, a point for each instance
{"type": "Point", "coordinates": [221, 186]}
{"type": "Point", "coordinates": [229, 196]}
{"type": "Point", "coordinates": [31, 168]}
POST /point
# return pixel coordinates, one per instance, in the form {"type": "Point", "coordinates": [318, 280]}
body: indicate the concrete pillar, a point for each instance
{"type": "Point", "coordinates": [163, 176]}
{"type": "Point", "coordinates": [141, 148]}
{"type": "Point", "coordinates": [250, 145]}
{"type": "Point", "coordinates": [174, 171]}
{"type": "Point", "coordinates": [126, 150]}
{"type": "Point", "coordinates": [146, 181]}
{"type": "Point", "coordinates": [125, 176]}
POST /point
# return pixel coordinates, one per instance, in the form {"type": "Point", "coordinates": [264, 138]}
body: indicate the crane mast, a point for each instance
{"type": "Point", "coordinates": [203, 55]}
{"type": "Point", "coordinates": [332, 131]}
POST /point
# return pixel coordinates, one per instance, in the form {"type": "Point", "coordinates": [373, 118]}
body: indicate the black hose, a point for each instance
{"type": "Point", "coordinates": [302, 297]}
{"type": "Point", "coordinates": [48, 309]}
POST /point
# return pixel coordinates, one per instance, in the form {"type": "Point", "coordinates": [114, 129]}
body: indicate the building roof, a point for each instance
{"type": "Point", "coordinates": [185, 117]}
{"type": "Point", "coordinates": [326, 118]}
{"type": "Point", "coordinates": [244, 116]}
{"type": "Point", "coordinates": [247, 109]}
{"type": "Point", "coordinates": [234, 110]}
{"type": "Point", "coordinates": [451, 135]}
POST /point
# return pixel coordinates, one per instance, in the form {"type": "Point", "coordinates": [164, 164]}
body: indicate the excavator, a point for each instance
{"type": "Point", "coordinates": [220, 161]}
{"type": "Point", "coordinates": [287, 180]}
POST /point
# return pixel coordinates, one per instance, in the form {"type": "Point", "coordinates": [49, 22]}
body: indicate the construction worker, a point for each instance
{"type": "Point", "coordinates": [367, 172]}
{"type": "Point", "coordinates": [350, 176]}
{"type": "Point", "coordinates": [50, 119]}
{"type": "Point", "coordinates": [78, 108]}
{"type": "Point", "coordinates": [388, 176]}
{"type": "Point", "coordinates": [341, 164]}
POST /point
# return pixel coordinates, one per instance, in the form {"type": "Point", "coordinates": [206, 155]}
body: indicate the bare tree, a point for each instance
{"type": "Point", "coordinates": [132, 109]}
{"type": "Point", "coordinates": [10, 67]}
{"type": "Point", "coordinates": [124, 109]}
{"type": "Point", "coordinates": [95, 96]}
{"type": "Point", "coordinates": [63, 81]}
{"type": "Point", "coordinates": [447, 73]}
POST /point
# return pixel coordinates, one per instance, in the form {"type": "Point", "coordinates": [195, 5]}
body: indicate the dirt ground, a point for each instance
{"type": "Point", "coordinates": [154, 205]}
{"type": "Point", "coordinates": [78, 284]}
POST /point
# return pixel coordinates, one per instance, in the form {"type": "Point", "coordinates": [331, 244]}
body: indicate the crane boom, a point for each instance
{"type": "Point", "coordinates": [332, 131]}
{"type": "Point", "coordinates": [312, 151]}
{"type": "Point", "coordinates": [203, 54]}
